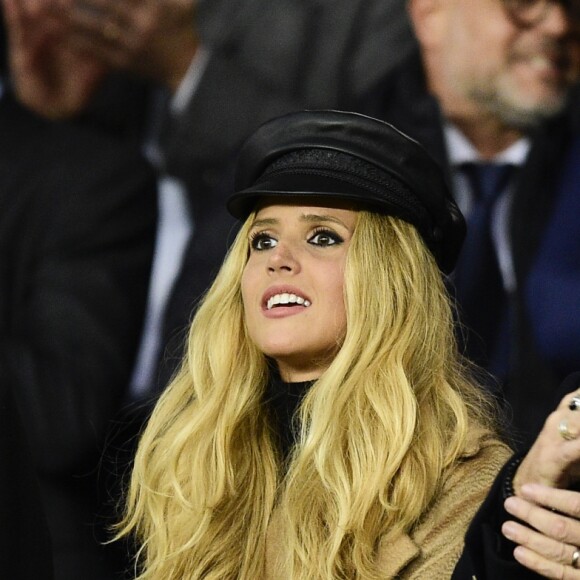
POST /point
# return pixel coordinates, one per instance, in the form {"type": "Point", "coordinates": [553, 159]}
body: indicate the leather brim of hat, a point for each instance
{"type": "Point", "coordinates": [281, 186]}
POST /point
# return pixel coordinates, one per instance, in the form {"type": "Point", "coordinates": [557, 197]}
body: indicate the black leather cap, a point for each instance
{"type": "Point", "coordinates": [350, 156]}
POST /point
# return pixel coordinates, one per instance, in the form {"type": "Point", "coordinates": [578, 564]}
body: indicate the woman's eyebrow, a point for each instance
{"type": "Point", "coordinates": [259, 223]}
{"type": "Point", "coordinates": [308, 217]}
{"type": "Point", "coordinates": [312, 217]}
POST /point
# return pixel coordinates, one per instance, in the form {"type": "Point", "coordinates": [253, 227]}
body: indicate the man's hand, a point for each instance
{"type": "Point", "coordinates": [154, 39]}
{"type": "Point", "coordinates": [49, 75]}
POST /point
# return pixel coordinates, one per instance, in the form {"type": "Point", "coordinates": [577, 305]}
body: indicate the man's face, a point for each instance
{"type": "Point", "coordinates": [521, 74]}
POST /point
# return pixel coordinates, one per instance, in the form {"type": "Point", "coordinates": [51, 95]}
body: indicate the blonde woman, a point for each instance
{"type": "Point", "coordinates": [323, 424]}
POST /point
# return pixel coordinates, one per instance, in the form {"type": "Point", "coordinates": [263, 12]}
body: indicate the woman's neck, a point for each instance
{"type": "Point", "coordinates": [283, 399]}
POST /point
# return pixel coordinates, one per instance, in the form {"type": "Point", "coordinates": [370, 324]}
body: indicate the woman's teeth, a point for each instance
{"type": "Point", "coordinates": [287, 299]}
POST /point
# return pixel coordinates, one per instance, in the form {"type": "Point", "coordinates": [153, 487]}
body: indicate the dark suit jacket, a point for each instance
{"type": "Point", "coordinates": [25, 548]}
{"type": "Point", "coordinates": [77, 225]}
{"type": "Point", "coordinates": [402, 99]}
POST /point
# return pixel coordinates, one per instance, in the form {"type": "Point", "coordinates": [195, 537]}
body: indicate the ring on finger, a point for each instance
{"type": "Point", "coordinates": [575, 559]}
{"type": "Point", "coordinates": [564, 431]}
{"type": "Point", "coordinates": [575, 402]}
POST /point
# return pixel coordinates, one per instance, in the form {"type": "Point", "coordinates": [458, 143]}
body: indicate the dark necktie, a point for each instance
{"type": "Point", "coordinates": [478, 282]}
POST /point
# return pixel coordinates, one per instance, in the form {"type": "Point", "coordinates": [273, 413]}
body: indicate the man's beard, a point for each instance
{"type": "Point", "coordinates": [510, 103]}
{"type": "Point", "coordinates": [503, 103]}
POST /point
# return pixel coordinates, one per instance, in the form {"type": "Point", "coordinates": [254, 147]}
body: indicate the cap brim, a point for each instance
{"type": "Point", "coordinates": [296, 185]}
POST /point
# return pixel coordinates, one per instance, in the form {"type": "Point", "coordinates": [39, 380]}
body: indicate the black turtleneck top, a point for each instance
{"type": "Point", "coordinates": [282, 400]}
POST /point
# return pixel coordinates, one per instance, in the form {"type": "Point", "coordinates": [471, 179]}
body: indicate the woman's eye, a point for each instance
{"type": "Point", "coordinates": [325, 238]}
{"type": "Point", "coordinates": [263, 242]}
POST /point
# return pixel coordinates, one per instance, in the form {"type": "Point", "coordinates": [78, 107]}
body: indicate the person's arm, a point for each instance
{"type": "Point", "coordinates": [545, 505]}
{"type": "Point", "coordinates": [516, 533]}
{"type": "Point", "coordinates": [487, 555]}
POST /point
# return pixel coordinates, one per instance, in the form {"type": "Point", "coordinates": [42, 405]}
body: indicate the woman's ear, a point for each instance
{"type": "Point", "coordinates": [428, 20]}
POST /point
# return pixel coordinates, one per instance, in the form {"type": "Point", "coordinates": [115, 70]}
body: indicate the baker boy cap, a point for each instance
{"type": "Point", "coordinates": [348, 156]}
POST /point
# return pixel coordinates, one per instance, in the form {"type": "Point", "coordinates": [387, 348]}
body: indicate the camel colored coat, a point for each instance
{"type": "Point", "coordinates": [432, 548]}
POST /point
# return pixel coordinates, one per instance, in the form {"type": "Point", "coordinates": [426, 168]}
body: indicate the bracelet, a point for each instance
{"type": "Point", "coordinates": [508, 478]}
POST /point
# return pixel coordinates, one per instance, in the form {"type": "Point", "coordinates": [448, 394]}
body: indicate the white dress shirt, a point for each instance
{"type": "Point", "coordinates": [175, 226]}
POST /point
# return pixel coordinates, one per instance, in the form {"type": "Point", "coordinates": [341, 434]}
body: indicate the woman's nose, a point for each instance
{"type": "Point", "coordinates": [283, 258]}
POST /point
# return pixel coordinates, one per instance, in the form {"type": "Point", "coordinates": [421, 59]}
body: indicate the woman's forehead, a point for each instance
{"type": "Point", "coordinates": [309, 204]}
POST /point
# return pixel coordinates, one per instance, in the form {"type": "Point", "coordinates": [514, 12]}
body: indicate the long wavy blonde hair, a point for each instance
{"type": "Point", "coordinates": [379, 429]}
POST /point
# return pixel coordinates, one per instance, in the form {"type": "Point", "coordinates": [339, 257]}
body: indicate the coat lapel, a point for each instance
{"type": "Point", "coordinates": [395, 555]}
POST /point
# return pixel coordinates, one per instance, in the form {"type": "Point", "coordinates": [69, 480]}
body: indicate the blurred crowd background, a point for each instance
{"type": "Point", "coordinates": [120, 121]}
